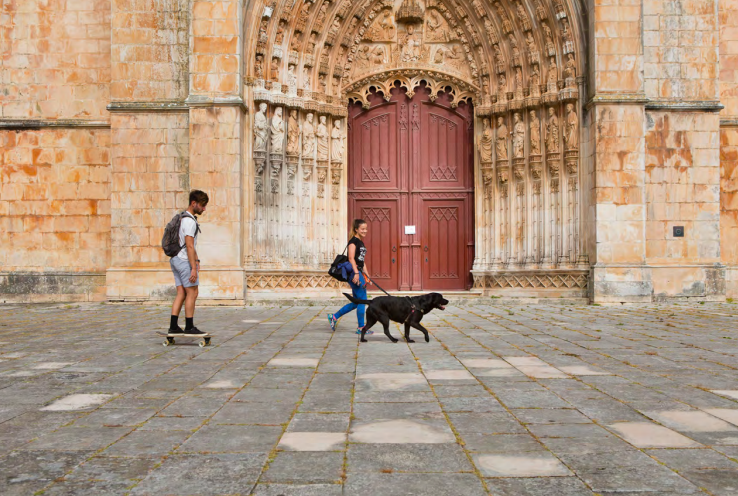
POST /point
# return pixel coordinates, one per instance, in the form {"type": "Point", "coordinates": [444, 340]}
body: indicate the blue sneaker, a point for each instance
{"type": "Point", "coordinates": [358, 331]}
{"type": "Point", "coordinates": [332, 320]}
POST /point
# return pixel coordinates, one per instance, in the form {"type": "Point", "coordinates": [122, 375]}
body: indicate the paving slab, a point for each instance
{"type": "Point", "coordinates": [542, 400]}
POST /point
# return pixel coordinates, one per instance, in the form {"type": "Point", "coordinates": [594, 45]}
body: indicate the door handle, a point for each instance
{"type": "Point", "coordinates": [394, 249]}
{"type": "Point", "coordinates": [425, 249]}
{"type": "Point", "coordinates": [393, 260]}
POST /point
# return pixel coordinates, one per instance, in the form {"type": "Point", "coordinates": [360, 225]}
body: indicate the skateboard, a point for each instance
{"type": "Point", "coordinates": [170, 338]}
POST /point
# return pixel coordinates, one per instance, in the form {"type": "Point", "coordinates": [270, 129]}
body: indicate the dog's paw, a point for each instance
{"type": "Point", "coordinates": [427, 339]}
{"type": "Point", "coordinates": [394, 340]}
{"type": "Point", "coordinates": [410, 340]}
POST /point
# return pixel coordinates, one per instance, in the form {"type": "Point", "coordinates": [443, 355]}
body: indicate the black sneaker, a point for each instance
{"type": "Point", "coordinates": [194, 332]}
{"type": "Point", "coordinates": [176, 330]}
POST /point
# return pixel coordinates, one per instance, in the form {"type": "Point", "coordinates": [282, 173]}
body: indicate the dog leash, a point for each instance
{"type": "Point", "coordinates": [377, 285]}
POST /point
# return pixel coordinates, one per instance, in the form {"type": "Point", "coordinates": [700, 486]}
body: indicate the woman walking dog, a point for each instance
{"type": "Point", "coordinates": [358, 279]}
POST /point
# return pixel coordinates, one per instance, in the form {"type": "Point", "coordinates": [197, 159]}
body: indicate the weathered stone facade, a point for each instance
{"type": "Point", "coordinates": [600, 128]}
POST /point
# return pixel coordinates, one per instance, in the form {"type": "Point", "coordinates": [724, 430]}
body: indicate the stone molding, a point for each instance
{"type": "Point", "coordinates": [729, 121]}
{"type": "Point", "coordinates": [685, 106]}
{"type": "Point", "coordinates": [176, 106]}
{"type": "Point", "coordinates": [290, 280]}
{"type": "Point", "coordinates": [23, 124]}
{"type": "Point", "coordinates": [617, 99]}
{"type": "Point", "coordinates": [538, 279]}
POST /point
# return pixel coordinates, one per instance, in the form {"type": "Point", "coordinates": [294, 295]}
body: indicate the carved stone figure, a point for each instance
{"type": "Point", "coordinates": [279, 37]}
{"type": "Point", "coordinates": [570, 69]}
{"type": "Point", "coordinates": [501, 147]}
{"type": "Point", "coordinates": [410, 51]}
{"type": "Point", "coordinates": [321, 80]}
{"type": "Point", "coordinates": [295, 42]}
{"type": "Point", "coordinates": [518, 137]}
{"type": "Point", "coordinates": [550, 47]}
{"type": "Point", "coordinates": [260, 129]}
{"type": "Point", "coordinates": [336, 86]}
{"type": "Point", "coordinates": [259, 67]}
{"type": "Point", "coordinates": [291, 81]}
{"type": "Point", "coordinates": [518, 83]}
{"type": "Point", "coordinates": [438, 57]}
{"type": "Point", "coordinates": [379, 55]}
{"type": "Point", "coordinates": [308, 137]}
{"type": "Point", "coordinates": [306, 82]}
{"type": "Point", "coordinates": [485, 142]}
{"type": "Point", "coordinates": [535, 81]}
{"type": "Point", "coordinates": [277, 130]}
{"type": "Point", "coordinates": [275, 70]}
{"type": "Point", "coordinates": [491, 32]}
{"type": "Point", "coordinates": [535, 134]}
{"type": "Point", "coordinates": [322, 136]}
{"type": "Point", "coordinates": [506, 24]}
{"type": "Point", "coordinates": [320, 18]}
{"type": "Point", "coordinates": [515, 50]}
{"type": "Point", "coordinates": [552, 132]}
{"type": "Point", "coordinates": [387, 24]}
{"type": "Point", "coordinates": [571, 134]}
{"type": "Point", "coordinates": [263, 29]}
{"type": "Point", "coordinates": [337, 143]}
{"type": "Point", "coordinates": [552, 77]}
{"type": "Point", "coordinates": [435, 28]}
{"type": "Point", "coordinates": [502, 89]}
{"type": "Point", "coordinates": [499, 58]}
{"type": "Point", "coordinates": [311, 43]}
{"type": "Point", "coordinates": [522, 15]}
{"type": "Point", "coordinates": [293, 134]}
{"type": "Point", "coordinates": [335, 27]}
{"type": "Point", "coordinates": [363, 57]}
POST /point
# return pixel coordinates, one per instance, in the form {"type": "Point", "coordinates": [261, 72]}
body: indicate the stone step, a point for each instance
{"type": "Point", "coordinates": [459, 299]}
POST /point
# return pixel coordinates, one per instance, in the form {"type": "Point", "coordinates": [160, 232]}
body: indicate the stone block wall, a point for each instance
{"type": "Point", "coordinates": [728, 18]}
{"type": "Point", "coordinates": [54, 150]}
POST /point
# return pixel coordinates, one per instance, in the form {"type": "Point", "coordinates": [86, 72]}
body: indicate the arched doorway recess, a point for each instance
{"type": "Point", "coordinates": [411, 177]}
{"type": "Point", "coordinates": [520, 62]}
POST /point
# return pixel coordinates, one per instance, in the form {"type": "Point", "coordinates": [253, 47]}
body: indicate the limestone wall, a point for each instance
{"type": "Point", "coordinates": [728, 16]}
{"type": "Point", "coordinates": [54, 150]}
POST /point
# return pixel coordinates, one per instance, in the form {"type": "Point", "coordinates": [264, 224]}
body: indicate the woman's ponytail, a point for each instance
{"type": "Point", "coordinates": [355, 227]}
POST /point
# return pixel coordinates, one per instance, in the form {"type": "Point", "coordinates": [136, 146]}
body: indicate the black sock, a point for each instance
{"type": "Point", "coordinates": [173, 324]}
{"type": "Point", "coordinates": [190, 323]}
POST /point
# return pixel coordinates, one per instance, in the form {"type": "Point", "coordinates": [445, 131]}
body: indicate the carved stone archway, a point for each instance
{"type": "Point", "coordinates": [519, 61]}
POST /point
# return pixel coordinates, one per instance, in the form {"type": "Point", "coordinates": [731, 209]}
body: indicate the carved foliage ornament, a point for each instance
{"type": "Point", "coordinates": [384, 82]}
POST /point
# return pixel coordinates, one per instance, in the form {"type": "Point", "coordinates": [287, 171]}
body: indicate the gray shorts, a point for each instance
{"type": "Point", "coordinates": [181, 270]}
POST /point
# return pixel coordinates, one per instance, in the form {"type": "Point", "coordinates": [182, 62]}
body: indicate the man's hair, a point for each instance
{"type": "Point", "coordinates": [199, 196]}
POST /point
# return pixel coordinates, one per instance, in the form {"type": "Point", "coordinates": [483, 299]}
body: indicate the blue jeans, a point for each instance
{"type": "Point", "coordinates": [359, 291]}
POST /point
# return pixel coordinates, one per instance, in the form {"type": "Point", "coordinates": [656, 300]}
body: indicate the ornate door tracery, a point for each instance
{"type": "Point", "coordinates": [413, 156]}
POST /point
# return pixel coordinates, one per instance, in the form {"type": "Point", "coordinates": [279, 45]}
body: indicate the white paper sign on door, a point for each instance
{"type": "Point", "coordinates": [409, 229]}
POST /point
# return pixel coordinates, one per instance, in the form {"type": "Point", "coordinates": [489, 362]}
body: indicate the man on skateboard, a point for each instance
{"type": "Point", "coordinates": [186, 266]}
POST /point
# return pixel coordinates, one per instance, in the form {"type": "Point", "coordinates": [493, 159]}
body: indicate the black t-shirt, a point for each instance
{"type": "Point", "coordinates": [360, 252]}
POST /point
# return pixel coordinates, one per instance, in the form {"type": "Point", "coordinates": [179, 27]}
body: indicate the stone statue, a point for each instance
{"type": "Point", "coordinates": [535, 134]}
{"type": "Point", "coordinates": [291, 81]}
{"type": "Point", "coordinates": [321, 14]}
{"type": "Point", "coordinates": [550, 47]}
{"type": "Point", "coordinates": [552, 132]}
{"type": "Point", "coordinates": [410, 45]}
{"type": "Point", "coordinates": [502, 88]}
{"type": "Point", "coordinates": [263, 29]}
{"type": "Point", "coordinates": [535, 81]}
{"type": "Point", "coordinates": [308, 137]}
{"type": "Point", "coordinates": [518, 137]}
{"type": "Point", "coordinates": [570, 69]}
{"type": "Point", "coordinates": [259, 67]}
{"type": "Point", "coordinates": [387, 24]}
{"type": "Point", "coordinates": [435, 30]}
{"type": "Point", "coordinates": [295, 42]}
{"type": "Point", "coordinates": [260, 129]}
{"type": "Point", "coordinates": [485, 142]}
{"type": "Point", "coordinates": [279, 37]}
{"type": "Point", "coordinates": [501, 147]}
{"type": "Point", "coordinates": [293, 134]}
{"type": "Point", "coordinates": [553, 77]}
{"type": "Point", "coordinates": [277, 129]}
{"type": "Point", "coordinates": [321, 80]}
{"type": "Point", "coordinates": [322, 136]}
{"type": "Point", "coordinates": [571, 136]}
{"type": "Point", "coordinates": [311, 43]}
{"type": "Point", "coordinates": [306, 83]}
{"type": "Point", "coordinates": [378, 55]}
{"type": "Point", "coordinates": [275, 70]}
{"type": "Point", "coordinates": [337, 143]}
{"type": "Point", "coordinates": [518, 83]}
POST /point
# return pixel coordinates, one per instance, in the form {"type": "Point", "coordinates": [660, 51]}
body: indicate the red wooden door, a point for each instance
{"type": "Point", "coordinates": [411, 164]}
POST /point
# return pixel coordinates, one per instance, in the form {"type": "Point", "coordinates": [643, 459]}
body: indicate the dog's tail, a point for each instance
{"type": "Point", "coordinates": [356, 300]}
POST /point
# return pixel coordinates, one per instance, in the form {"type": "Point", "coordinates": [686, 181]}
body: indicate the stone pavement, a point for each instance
{"type": "Point", "coordinates": [507, 400]}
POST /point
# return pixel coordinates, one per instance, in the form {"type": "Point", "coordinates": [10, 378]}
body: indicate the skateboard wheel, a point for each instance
{"type": "Point", "coordinates": [165, 343]}
{"type": "Point", "coordinates": [202, 344]}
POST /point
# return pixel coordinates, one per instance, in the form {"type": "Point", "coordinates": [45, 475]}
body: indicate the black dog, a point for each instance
{"type": "Point", "coordinates": [407, 310]}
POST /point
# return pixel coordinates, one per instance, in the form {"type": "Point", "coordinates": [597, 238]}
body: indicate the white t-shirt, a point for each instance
{"type": "Point", "coordinates": [187, 227]}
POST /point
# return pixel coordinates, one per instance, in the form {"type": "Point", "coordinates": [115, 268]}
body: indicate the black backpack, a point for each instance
{"type": "Point", "coordinates": [170, 239]}
{"type": "Point", "coordinates": [334, 271]}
